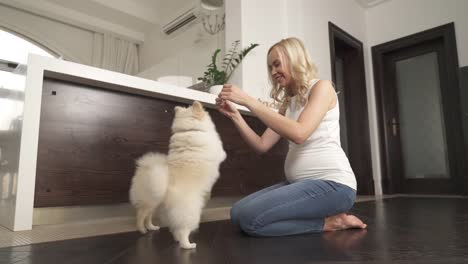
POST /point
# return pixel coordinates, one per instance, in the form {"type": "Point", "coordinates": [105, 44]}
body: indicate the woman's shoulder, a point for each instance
{"type": "Point", "coordinates": [323, 90]}
{"type": "Point", "coordinates": [321, 84]}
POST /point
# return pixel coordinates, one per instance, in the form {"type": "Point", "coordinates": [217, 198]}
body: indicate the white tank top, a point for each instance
{"type": "Point", "coordinates": [320, 156]}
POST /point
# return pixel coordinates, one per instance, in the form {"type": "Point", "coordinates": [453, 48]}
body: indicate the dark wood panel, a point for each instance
{"type": "Point", "coordinates": [90, 137]}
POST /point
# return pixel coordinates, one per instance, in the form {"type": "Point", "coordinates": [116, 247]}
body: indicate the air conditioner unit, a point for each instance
{"type": "Point", "coordinates": [183, 19]}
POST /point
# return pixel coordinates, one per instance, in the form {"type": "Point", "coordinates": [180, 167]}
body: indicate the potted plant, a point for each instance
{"type": "Point", "coordinates": [214, 77]}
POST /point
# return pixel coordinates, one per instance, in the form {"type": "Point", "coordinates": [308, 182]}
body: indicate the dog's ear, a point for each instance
{"type": "Point", "coordinates": [198, 111]}
{"type": "Point", "coordinates": [178, 108]}
{"type": "Point", "coordinates": [197, 105]}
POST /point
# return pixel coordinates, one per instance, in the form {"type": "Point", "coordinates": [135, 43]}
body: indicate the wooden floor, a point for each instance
{"type": "Point", "coordinates": [400, 230]}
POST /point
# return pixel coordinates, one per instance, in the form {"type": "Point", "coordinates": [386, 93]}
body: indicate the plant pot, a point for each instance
{"type": "Point", "coordinates": [216, 89]}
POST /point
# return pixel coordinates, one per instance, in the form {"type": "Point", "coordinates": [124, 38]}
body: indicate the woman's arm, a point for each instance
{"type": "Point", "coordinates": [260, 144]}
{"type": "Point", "coordinates": [322, 97]}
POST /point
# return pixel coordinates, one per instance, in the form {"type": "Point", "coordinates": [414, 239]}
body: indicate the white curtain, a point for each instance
{"type": "Point", "coordinates": [115, 54]}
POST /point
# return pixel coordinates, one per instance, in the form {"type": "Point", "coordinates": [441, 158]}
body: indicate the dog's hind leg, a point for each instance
{"type": "Point", "coordinates": [142, 212]}
{"type": "Point", "coordinates": [149, 221]}
{"type": "Point", "coordinates": [182, 236]}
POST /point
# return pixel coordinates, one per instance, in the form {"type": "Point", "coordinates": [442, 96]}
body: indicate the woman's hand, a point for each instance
{"type": "Point", "coordinates": [234, 94]}
{"type": "Point", "coordinates": [227, 108]}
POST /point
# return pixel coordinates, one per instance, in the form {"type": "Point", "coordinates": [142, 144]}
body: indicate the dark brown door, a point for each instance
{"type": "Point", "coordinates": [420, 117]}
{"type": "Point", "coordinates": [348, 75]}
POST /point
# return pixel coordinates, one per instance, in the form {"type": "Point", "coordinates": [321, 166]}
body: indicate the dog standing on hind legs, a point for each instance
{"type": "Point", "coordinates": [175, 185]}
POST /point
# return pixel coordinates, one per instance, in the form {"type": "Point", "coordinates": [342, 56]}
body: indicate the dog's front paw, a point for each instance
{"type": "Point", "coordinates": [188, 245]}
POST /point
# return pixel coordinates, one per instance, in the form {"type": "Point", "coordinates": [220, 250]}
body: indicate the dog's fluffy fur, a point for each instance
{"type": "Point", "coordinates": [176, 185]}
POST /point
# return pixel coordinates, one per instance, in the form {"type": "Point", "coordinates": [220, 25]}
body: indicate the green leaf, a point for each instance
{"type": "Point", "coordinates": [213, 75]}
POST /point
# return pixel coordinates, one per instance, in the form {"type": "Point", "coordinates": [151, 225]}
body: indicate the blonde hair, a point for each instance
{"type": "Point", "coordinates": [302, 70]}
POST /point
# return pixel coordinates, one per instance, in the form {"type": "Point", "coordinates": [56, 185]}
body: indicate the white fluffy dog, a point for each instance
{"type": "Point", "coordinates": [176, 185]}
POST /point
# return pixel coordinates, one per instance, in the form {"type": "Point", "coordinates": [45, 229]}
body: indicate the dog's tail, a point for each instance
{"type": "Point", "coordinates": [152, 159]}
{"type": "Point", "coordinates": [150, 181]}
{"type": "Point", "coordinates": [149, 186]}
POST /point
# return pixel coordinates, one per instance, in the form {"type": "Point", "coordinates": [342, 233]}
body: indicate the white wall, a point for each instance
{"type": "Point", "coordinates": [263, 22]}
{"type": "Point", "coordinates": [268, 21]}
{"type": "Point", "coordinates": [71, 43]}
{"type": "Point", "coordinates": [187, 54]}
{"type": "Point", "coordinates": [398, 18]}
{"type": "Point", "coordinates": [309, 20]}
{"type": "Point", "coordinates": [233, 32]}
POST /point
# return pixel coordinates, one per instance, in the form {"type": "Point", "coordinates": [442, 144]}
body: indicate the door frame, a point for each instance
{"type": "Point", "coordinates": [446, 33]}
{"type": "Point", "coordinates": [355, 106]}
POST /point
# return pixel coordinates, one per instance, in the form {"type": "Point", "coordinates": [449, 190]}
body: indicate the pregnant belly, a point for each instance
{"type": "Point", "coordinates": [315, 164]}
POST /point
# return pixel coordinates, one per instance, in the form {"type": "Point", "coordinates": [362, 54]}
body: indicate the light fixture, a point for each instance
{"type": "Point", "coordinates": [213, 16]}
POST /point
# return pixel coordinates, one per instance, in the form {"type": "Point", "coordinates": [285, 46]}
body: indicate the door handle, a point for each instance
{"type": "Point", "coordinates": [394, 127]}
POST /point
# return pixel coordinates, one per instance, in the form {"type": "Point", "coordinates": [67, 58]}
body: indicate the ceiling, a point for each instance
{"type": "Point", "coordinates": [127, 18]}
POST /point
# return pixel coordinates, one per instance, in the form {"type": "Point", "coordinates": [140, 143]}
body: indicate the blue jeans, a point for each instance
{"type": "Point", "coordinates": [291, 208]}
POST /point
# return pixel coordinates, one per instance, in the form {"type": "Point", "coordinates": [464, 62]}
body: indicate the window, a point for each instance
{"type": "Point", "coordinates": [14, 49]}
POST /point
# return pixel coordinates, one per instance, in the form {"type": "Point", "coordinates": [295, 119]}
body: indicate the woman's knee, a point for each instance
{"type": "Point", "coordinates": [239, 214]}
{"type": "Point", "coordinates": [243, 210]}
{"type": "Point", "coordinates": [351, 200]}
{"type": "Point", "coordinates": [243, 218]}
{"type": "Point", "coordinates": [248, 222]}
{"type": "Point", "coordinates": [235, 211]}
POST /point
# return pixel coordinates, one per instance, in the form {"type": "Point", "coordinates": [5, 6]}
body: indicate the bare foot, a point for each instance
{"type": "Point", "coordinates": [342, 221]}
